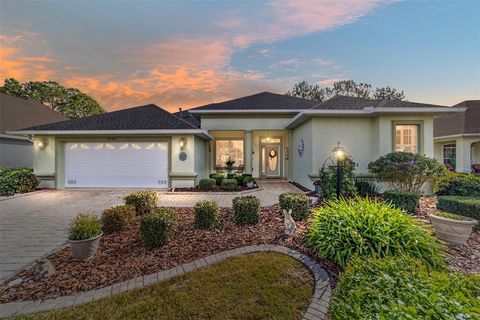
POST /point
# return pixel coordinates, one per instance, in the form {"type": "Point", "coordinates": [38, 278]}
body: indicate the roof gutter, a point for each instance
{"type": "Point", "coordinates": [197, 132]}
{"type": "Point", "coordinates": [254, 111]}
{"type": "Point", "coordinates": [365, 112]}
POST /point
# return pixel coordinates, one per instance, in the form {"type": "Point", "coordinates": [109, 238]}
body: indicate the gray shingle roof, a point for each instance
{"type": "Point", "coordinates": [148, 117]}
{"type": "Point", "coordinates": [189, 117]}
{"type": "Point", "coordinates": [459, 123]}
{"type": "Point", "coordinates": [352, 103]}
{"type": "Point", "coordinates": [261, 101]}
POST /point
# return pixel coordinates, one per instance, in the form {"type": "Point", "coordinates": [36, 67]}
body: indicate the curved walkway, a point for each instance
{"type": "Point", "coordinates": [317, 309]}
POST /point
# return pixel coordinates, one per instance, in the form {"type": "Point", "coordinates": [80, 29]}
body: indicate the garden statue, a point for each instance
{"type": "Point", "coordinates": [290, 227]}
{"type": "Point", "coordinates": [44, 269]}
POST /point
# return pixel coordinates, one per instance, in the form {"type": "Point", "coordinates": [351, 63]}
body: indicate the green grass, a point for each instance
{"type": "Point", "coordinates": [254, 286]}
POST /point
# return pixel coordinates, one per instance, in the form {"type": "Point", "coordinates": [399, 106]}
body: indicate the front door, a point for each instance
{"type": "Point", "coordinates": [271, 160]}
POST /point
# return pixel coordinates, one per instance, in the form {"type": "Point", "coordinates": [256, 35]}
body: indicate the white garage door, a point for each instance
{"type": "Point", "coordinates": [116, 164]}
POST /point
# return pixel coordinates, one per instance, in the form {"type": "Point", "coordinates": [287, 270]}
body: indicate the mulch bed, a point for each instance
{"type": "Point", "coordinates": [299, 186]}
{"type": "Point", "coordinates": [121, 255]}
{"type": "Point", "coordinates": [217, 189]}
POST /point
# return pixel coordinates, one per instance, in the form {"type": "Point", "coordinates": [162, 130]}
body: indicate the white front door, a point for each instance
{"type": "Point", "coordinates": [271, 160]}
{"type": "Point", "coordinates": [116, 164]}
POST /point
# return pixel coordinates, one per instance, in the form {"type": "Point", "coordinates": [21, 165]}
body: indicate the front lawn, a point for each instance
{"type": "Point", "coordinates": [254, 286]}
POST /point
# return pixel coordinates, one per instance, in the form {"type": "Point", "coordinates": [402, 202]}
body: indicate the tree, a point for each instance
{"type": "Point", "coordinates": [345, 88]}
{"type": "Point", "coordinates": [71, 102]}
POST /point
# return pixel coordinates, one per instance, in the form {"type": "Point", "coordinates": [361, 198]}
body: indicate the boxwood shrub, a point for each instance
{"type": "Point", "coordinates": [85, 226]}
{"type": "Point", "coordinates": [296, 202]}
{"type": "Point", "coordinates": [465, 206]}
{"type": "Point", "coordinates": [207, 184]}
{"type": "Point", "coordinates": [405, 200]}
{"type": "Point", "coordinates": [143, 201]}
{"type": "Point", "coordinates": [218, 178]}
{"type": "Point", "coordinates": [246, 210]}
{"type": "Point", "coordinates": [239, 180]}
{"type": "Point", "coordinates": [344, 228]}
{"type": "Point", "coordinates": [247, 179]}
{"type": "Point", "coordinates": [115, 218]}
{"type": "Point", "coordinates": [403, 288]}
{"type": "Point", "coordinates": [229, 184]}
{"type": "Point", "coordinates": [17, 180]}
{"type": "Point", "coordinates": [158, 227]}
{"type": "Point", "coordinates": [206, 214]}
{"type": "Point", "coordinates": [457, 184]}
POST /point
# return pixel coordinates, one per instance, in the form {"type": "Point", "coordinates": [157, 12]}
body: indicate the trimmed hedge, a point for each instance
{"type": "Point", "coordinates": [246, 210]}
{"type": "Point", "coordinates": [158, 227]}
{"type": "Point", "coordinates": [143, 201]}
{"type": "Point", "coordinates": [84, 226]}
{"type": "Point", "coordinates": [115, 218]}
{"type": "Point", "coordinates": [465, 206]}
{"type": "Point", "coordinates": [296, 202]}
{"type": "Point", "coordinates": [366, 188]}
{"type": "Point", "coordinates": [17, 180]}
{"type": "Point", "coordinates": [402, 288]}
{"type": "Point", "coordinates": [239, 180]}
{"type": "Point", "coordinates": [405, 200]}
{"type": "Point", "coordinates": [218, 178]}
{"type": "Point", "coordinates": [247, 179]}
{"type": "Point", "coordinates": [344, 228]}
{"type": "Point", "coordinates": [229, 184]}
{"type": "Point", "coordinates": [206, 214]}
{"type": "Point", "coordinates": [207, 184]}
{"type": "Point", "coordinates": [457, 184]}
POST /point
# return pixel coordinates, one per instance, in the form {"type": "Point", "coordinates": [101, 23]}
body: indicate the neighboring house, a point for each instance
{"type": "Point", "coordinates": [457, 137]}
{"type": "Point", "coordinates": [266, 134]}
{"type": "Point", "coordinates": [17, 113]}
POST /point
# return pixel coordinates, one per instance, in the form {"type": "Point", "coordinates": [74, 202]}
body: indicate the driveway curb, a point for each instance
{"type": "Point", "coordinates": [317, 309]}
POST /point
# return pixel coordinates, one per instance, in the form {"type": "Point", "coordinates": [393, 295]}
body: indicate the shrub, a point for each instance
{"type": "Point", "coordinates": [247, 179]}
{"type": "Point", "coordinates": [206, 214]}
{"type": "Point", "coordinates": [157, 228]}
{"type": "Point", "coordinates": [405, 170]}
{"type": "Point", "coordinates": [246, 210]}
{"type": "Point", "coordinates": [218, 178]}
{"type": "Point", "coordinates": [343, 228]}
{"type": "Point", "coordinates": [143, 201]}
{"type": "Point", "coordinates": [402, 288]}
{"type": "Point", "coordinates": [465, 206]}
{"type": "Point", "coordinates": [231, 175]}
{"type": "Point", "coordinates": [328, 180]}
{"type": "Point", "coordinates": [115, 218]}
{"type": "Point", "coordinates": [405, 200]}
{"type": "Point", "coordinates": [457, 184]}
{"type": "Point", "coordinates": [229, 184]}
{"type": "Point", "coordinates": [296, 202]}
{"type": "Point", "coordinates": [85, 226]}
{"type": "Point", "coordinates": [366, 188]}
{"type": "Point", "coordinates": [17, 180]}
{"type": "Point", "coordinates": [207, 184]}
{"type": "Point", "coordinates": [239, 180]}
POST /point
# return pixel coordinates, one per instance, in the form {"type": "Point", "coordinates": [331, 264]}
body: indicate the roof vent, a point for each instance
{"type": "Point", "coordinates": [180, 111]}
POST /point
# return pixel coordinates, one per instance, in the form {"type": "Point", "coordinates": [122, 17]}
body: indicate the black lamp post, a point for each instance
{"type": "Point", "coordinates": [339, 155]}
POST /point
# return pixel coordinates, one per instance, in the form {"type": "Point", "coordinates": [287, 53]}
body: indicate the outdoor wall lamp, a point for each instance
{"type": "Point", "coordinates": [183, 143]}
{"type": "Point", "coordinates": [42, 144]}
{"type": "Point", "coordinates": [339, 151]}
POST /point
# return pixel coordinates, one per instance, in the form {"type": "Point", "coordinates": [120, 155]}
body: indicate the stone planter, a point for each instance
{"type": "Point", "coordinates": [451, 230]}
{"type": "Point", "coordinates": [250, 184]}
{"type": "Point", "coordinates": [85, 249]}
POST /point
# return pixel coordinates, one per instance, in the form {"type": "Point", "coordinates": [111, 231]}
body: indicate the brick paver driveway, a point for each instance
{"type": "Point", "coordinates": [36, 224]}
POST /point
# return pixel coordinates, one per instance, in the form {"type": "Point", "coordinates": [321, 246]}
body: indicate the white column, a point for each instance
{"type": "Point", "coordinates": [248, 151]}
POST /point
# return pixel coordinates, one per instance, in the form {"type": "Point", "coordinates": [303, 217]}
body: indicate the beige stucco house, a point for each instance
{"type": "Point", "coordinates": [268, 135]}
{"type": "Point", "coordinates": [457, 137]}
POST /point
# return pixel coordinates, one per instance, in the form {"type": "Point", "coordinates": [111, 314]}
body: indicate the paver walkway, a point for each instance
{"type": "Point", "coordinates": [316, 310]}
{"type": "Point", "coordinates": [34, 225]}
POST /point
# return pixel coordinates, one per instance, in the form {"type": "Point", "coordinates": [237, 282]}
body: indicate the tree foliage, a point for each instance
{"type": "Point", "coordinates": [71, 102]}
{"type": "Point", "coordinates": [350, 88]}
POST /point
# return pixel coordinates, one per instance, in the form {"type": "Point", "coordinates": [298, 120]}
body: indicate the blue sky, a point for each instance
{"type": "Point", "coordinates": [195, 52]}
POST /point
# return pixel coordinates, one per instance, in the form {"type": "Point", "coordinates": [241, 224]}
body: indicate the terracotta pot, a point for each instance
{"type": "Point", "coordinates": [451, 230]}
{"type": "Point", "coordinates": [85, 249]}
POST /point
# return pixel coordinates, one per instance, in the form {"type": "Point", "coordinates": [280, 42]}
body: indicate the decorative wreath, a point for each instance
{"type": "Point", "coordinates": [272, 154]}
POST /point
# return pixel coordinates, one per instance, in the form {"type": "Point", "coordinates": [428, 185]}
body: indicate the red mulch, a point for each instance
{"type": "Point", "coordinates": [299, 186]}
{"type": "Point", "coordinates": [121, 255]}
{"type": "Point", "coordinates": [217, 189]}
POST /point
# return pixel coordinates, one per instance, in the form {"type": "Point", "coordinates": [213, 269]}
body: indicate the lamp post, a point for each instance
{"type": "Point", "coordinates": [339, 155]}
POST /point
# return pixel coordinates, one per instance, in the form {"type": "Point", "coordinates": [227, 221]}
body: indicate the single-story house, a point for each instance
{"type": "Point", "coordinates": [268, 135]}
{"type": "Point", "coordinates": [457, 138]}
{"type": "Point", "coordinates": [16, 113]}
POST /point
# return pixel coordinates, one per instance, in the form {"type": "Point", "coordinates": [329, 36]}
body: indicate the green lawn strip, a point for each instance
{"type": "Point", "coordinates": [254, 286]}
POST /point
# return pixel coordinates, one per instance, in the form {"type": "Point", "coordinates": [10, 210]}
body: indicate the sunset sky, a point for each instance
{"type": "Point", "coordinates": [189, 53]}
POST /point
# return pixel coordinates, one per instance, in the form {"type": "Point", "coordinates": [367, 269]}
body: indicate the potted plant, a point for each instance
{"type": "Point", "coordinates": [248, 181]}
{"type": "Point", "coordinates": [451, 227]}
{"type": "Point", "coordinates": [229, 163]}
{"type": "Point", "coordinates": [84, 235]}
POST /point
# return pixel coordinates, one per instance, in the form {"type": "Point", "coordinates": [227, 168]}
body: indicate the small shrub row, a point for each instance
{"type": "Point", "coordinates": [17, 180]}
{"type": "Point", "coordinates": [457, 184]}
{"type": "Point", "coordinates": [465, 206]}
{"type": "Point", "coordinates": [408, 201]}
{"type": "Point", "coordinates": [206, 214]}
{"type": "Point", "coordinates": [207, 184]}
{"type": "Point", "coordinates": [403, 288]}
{"type": "Point", "coordinates": [246, 210]}
{"type": "Point", "coordinates": [143, 201]}
{"type": "Point", "coordinates": [296, 202]}
{"type": "Point", "coordinates": [229, 184]}
{"type": "Point", "coordinates": [218, 178]}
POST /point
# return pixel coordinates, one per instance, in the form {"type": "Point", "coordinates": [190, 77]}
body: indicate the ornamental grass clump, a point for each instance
{"type": "Point", "coordinates": [344, 228]}
{"type": "Point", "coordinates": [85, 226]}
{"type": "Point", "coordinates": [403, 288]}
{"type": "Point", "coordinates": [143, 201]}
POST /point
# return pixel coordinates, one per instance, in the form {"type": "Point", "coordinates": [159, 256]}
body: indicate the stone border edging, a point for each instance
{"type": "Point", "coordinates": [26, 194]}
{"type": "Point", "coordinates": [220, 193]}
{"type": "Point", "coordinates": [317, 309]}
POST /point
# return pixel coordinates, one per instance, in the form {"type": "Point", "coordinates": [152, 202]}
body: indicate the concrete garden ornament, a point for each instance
{"type": "Point", "coordinates": [290, 227]}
